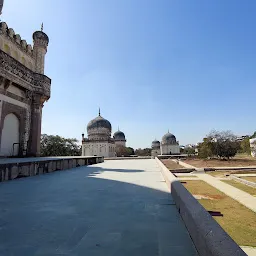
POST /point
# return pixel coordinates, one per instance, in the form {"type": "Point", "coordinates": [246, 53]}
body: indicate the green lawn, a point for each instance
{"type": "Point", "coordinates": [238, 221]}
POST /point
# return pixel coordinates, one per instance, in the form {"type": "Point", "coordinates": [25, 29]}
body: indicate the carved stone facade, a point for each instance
{"type": "Point", "coordinates": [23, 90]}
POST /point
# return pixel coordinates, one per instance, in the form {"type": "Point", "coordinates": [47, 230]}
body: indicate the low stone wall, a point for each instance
{"type": "Point", "coordinates": [246, 182]}
{"type": "Point", "coordinates": [128, 158]}
{"type": "Point", "coordinates": [208, 236]}
{"type": "Point", "coordinates": [30, 167]}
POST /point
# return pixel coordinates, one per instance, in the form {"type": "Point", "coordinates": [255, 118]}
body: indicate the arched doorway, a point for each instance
{"type": "Point", "coordinates": [10, 135]}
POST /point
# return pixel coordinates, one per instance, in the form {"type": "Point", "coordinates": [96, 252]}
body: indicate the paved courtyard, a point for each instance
{"type": "Point", "coordinates": [114, 208]}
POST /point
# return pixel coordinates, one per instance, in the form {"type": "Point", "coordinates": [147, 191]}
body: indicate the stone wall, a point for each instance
{"type": "Point", "coordinates": [208, 236]}
{"type": "Point", "coordinates": [26, 168]}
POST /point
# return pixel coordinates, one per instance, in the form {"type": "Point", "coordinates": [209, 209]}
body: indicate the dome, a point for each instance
{"type": "Point", "coordinates": [155, 144]}
{"type": "Point", "coordinates": [99, 128]}
{"type": "Point", "coordinates": [119, 136]}
{"type": "Point", "coordinates": [169, 138]}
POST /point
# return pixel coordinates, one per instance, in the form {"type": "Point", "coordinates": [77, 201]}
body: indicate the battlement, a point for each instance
{"type": "Point", "coordinates": [16, 39]}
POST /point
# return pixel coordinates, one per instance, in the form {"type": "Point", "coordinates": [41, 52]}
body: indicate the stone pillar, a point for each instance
{"type": "Point", "coordinates": [35, 131]}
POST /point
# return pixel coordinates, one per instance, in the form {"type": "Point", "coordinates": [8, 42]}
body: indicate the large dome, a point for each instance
{"type": "Point", "coordinates": [169, 138]}
{"type": "Point", "coordinates": [119, 136]}
{"type": "Point", "coordinates": [99, 128]}
{"type": "Point", "coordinates": [155, 144]}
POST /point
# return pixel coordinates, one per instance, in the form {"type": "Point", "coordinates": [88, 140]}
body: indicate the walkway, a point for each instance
{"type": "Point", "coordinates": [242, 197]}
{"type": "Point", "coordinates": [114, 208]}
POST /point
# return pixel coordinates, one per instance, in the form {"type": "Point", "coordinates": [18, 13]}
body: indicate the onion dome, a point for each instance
{"type": "Point", "coordinates": [119, 136]}
{"type": "Point", "coordinates": [99, 127]}
{"type": "Point", "coordinates": [155, 144]}
{"type": "Point", "coordinates": [169, 138]}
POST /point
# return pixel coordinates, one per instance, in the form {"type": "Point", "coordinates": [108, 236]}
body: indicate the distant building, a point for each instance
{"type": "Point", "coordinates": [99, 141]}
{"type": "Point", "coordinates": [155, 148]}
{"type": "Point", "coordinates": [169, 145]}
{"type": "Point", "coordinates": [119, 138]}
{"type": "Point", "coordinates": [23, 90]}
{"type": "Point", "coordinates": [241, 138]}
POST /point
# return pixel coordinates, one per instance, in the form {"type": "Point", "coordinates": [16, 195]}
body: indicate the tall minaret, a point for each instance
{"type": "Point", "coordinates": [41, 41]}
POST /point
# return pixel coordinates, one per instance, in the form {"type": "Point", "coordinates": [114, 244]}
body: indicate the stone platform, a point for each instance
{"type": "Point", "coordinates": [109, 209]}
{"type": "Point", "coordinates": [13, 168]}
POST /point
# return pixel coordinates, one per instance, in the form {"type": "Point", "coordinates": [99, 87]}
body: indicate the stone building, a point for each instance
{"type": "Point", "coordinates": [169, 145]}
{"type": "Point", "coordinates": [119, 138]}
{"type": "Point", "coordinates": [23, 90]}
{"type": "Point", "coordinates": [155, 148]}
{"type": "Point", "coordinates": [99, 141]}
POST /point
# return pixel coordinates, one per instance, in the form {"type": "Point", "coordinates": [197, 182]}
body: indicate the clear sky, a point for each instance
{"type": "Point", "coordinates": [151, 65]}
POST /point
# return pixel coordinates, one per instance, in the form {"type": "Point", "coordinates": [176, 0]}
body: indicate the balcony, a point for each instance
{"type": "Point", "coordinates": [24, 77]}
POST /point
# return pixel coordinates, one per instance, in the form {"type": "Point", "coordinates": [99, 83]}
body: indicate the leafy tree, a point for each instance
{"type": "Point", "coordinates": [205, 149]}
{"type": "Point", "coordinates": [220, 144]}
{"type": "Point", "coordinates": [189, 150]}
{"type": "Point", "coordinates": [124, 151]}
{"type": "Point", "coordinates": [245, 146]}
{"type": "Point", "coordinates": [253, 136]}
{"type": "Point", "coordinates": [143, 152]}
{"type": "Point", "coordinates": [52, 145]}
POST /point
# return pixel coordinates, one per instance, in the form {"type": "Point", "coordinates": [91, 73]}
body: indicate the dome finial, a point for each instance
{"type": "Point", "coordinates": [42, 26]}
{"type": "Point", "coordinates": [118, 128]}
{"type": "Point", "coordinates": [168, 131]}
{"type": "Point", "coordinates": [99, 111]}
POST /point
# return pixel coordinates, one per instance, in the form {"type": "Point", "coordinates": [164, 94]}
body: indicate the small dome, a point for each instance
{"type": "Point", "coordinates": [119, 136]}
{"type": "Point", "coordinates": [169, 138]}
{"type": "Point", "coordinates": [41, 36]}
{"type": "Point", "coordinates": [155, 144]}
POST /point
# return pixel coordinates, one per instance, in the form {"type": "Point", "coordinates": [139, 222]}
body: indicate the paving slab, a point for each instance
{"type": "Point", "coordinates": [113, 208]}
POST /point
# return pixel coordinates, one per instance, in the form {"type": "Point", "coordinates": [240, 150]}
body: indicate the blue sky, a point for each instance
{"type": "Point", "coordinates": [151, 65]}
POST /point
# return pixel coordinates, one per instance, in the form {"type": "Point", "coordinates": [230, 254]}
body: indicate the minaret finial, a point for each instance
{"type": "Point", "coordinates": [42, 26]}
{"type": "Point", "coordinates": [168, 131]}
{"type": "Point", "coordinates": [118, 127]}
{"type": "Point", "coordinates": [99, 111]}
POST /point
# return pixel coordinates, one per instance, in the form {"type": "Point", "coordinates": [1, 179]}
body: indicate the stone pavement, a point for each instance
{"type": "Point", "coordinates": [113, 208]}
{"type": "Point", "coordinates": [242, 197]}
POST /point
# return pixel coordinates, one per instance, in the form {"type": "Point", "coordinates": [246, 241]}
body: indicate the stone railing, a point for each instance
{"type": "Point", "coordinates": [23, 76]}
{"type": "Point", "coordinates": [208, 236]}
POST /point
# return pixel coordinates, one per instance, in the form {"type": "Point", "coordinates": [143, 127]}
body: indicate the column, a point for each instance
{"type": "Point", "coordinates": [35, 131]}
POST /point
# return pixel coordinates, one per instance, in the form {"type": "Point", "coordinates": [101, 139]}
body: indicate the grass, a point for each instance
{"type": "Point", "coordinates": [171, 165]}
{"type": "Point", "coordinates": [238, 221]}
{"type": "Point", "coordinates": [235, 162]}
{"type": "Point", "coordinates": [245, 188]}
{"type": "Point", "coordinates": [252, 179]}
{"type": "Point", "coordinates": [218, 173]}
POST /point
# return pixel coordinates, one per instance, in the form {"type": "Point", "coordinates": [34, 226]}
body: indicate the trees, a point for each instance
{"type": "Point", "coordinates": [220, 144]}
{"type": "Point", "coordinates": [124, 151]}
{"type": "Point", "coordinates": [245, 146]}
{"type": "Point", "coordinates": [52, 145]}
{"type": "Point", "coordinates": [143, 152]}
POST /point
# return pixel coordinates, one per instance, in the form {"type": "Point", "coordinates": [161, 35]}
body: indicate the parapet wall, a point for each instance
{"type": "Point", "coordinates": [208, 236]}
{"type": "Point", "coordinates": [30, 167]}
